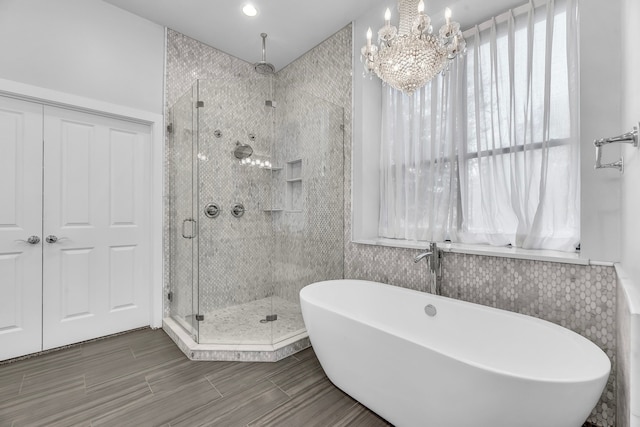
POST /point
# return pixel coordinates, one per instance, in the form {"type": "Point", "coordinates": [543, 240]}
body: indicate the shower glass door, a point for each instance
{"type": "Point", "coordinates": [183, 207]}
{"type": "Point", "coordinates": [309, 231]}
{"type": "Point", "coordinates": [235, 132]}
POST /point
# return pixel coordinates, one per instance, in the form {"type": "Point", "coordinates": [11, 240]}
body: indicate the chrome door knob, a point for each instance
{"type": "Point", "coordinates": [51, 238]}
{"type": "Point", "coordinates": [34, 240]}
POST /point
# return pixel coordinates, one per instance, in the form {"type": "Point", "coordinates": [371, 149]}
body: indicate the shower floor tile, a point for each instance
{"type": "Point", "coordinates": [241, 324]}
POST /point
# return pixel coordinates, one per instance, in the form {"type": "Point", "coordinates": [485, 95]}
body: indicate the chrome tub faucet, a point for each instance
{"type": "Point", "coordinates": [433, 255]}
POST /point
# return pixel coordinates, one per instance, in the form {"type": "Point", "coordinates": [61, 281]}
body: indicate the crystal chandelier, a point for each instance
{"type": "Point", "coordinates": [411, 56]}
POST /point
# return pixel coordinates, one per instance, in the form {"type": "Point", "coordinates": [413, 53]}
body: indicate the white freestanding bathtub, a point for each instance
{"type": "Point", "coordinates": [467, 365]}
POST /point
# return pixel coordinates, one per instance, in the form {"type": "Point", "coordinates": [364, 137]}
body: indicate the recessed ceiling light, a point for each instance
{"type": "Point", "coordinates": [250, 10]}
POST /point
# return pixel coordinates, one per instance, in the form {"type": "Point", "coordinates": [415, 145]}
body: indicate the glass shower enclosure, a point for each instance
{"type": "Point", "coordinates": [255, 208]}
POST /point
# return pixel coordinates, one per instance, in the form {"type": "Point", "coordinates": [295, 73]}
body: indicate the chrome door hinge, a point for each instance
{"type": "Point", "coordinates": [199, 104]}
{"type": "Point", "coordinates": [170, 128]}
{"type": "Point", "coordinates": [170, 296]}
{"type": "Point", "coordinates": [199, 317]}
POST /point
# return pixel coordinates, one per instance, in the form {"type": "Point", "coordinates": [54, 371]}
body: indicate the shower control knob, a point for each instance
{"type": "Point", "coordinates": [237, 210]}
{"type": "Point", "coordinates": [212, 210]}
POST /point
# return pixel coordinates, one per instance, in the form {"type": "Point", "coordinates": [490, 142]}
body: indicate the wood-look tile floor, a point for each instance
{"type": "Point", "coordinates": [142, 379]}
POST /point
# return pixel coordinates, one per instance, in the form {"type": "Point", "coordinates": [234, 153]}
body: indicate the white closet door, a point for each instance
{"type": "Point", "coordinates": [20, 218]}
{"type": "Point", "coordinates": [97, 205]}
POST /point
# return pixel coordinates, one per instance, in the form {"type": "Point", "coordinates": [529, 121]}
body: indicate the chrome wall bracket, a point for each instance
{"type": "Point", "coordinates": [625, 138]}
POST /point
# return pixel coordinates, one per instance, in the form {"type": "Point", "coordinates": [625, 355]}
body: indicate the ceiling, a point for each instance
{"type": "Point", "coordinates": [293, 26]}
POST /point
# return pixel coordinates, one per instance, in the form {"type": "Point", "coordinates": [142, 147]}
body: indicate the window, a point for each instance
{"type": "Point", "coordinates": [489, 153]}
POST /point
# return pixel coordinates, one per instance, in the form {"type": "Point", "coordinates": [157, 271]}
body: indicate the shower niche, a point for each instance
{"type": "Point", "coordinates": [293, 201]}
{"type": "Point", "coordinates": [228, 274]}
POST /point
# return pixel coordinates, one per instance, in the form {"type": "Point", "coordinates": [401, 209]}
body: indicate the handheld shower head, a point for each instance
{"type": "Point", "coordinates": [263, 67]}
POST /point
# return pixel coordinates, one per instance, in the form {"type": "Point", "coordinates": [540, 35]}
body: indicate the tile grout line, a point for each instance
{"type": "Point", "coordinates": [280, 405]}
{"type": "Point", "coordinates": [158, 366]}
{"type": "Point", "coordinates": [149, 386]}
{"type": "Point", "coordinates": [21, 384]}
{"type": "Point", "coordinates": [214, 387]}
{"type": "Point", "coordinates": [278, 387]}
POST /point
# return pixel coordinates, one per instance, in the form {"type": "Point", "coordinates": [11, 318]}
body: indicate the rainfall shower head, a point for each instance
{"type": "Point", "coordinates": [263, 67]}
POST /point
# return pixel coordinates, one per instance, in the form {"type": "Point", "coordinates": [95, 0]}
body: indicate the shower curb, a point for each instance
{"type": "Point", "coordinates": [233, 353]}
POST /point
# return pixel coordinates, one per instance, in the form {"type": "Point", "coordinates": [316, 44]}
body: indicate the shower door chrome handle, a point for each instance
{"type": "Point", "coordinates": [193, 228]}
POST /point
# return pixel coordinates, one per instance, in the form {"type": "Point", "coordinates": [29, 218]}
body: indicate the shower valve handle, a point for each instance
{"type": "Point", "coordinates": [237, 210]}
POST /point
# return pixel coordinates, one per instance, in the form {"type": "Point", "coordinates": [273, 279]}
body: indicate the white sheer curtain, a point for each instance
{"type": "Point", "coordinates": [419, 183]}
{"type": "Point", "coordinates": [490, 152]}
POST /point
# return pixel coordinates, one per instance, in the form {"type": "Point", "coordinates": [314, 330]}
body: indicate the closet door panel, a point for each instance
{"type": "Point", "coordinates": [97, 272]}
{"type": "Point", "coordinates": [20, 218]}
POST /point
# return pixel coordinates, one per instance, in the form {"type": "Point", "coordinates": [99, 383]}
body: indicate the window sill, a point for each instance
{"type": "Point", "coordinates": [485, 250]}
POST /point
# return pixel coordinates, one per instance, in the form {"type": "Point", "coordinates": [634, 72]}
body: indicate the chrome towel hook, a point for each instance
{"type": "Point", "coordinates": [625, 138]}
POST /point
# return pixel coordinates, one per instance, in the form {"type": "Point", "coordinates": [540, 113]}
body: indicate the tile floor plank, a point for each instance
{"type": "Point", "coordinates": [239, 376]}
{"type": "Point", "coordinates": [360, 416]}
{"type": "Point", "coordinates": [160, 409]}
{"type": "Point", "coordinates": [181, 374]}
{"type": "Point", "coordinates": [47, 399]}
{"type": "Point", "coordinates": [299, 376]}
{"type": "Point", "coordinates": [235, 409]}
{"type": "Point", "coordinates": [320, 405]}
{"type": "Point", "coordinates": [79, 409]}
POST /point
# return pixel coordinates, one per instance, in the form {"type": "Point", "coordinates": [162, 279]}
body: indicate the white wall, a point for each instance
{"type": "Point", "coordinates": [83, 47]}
{"type": "Point", "coordinates": [600, 109]}
{"type": "Point", "coordinates": [630, 200]}
{"type": "Point", "coordinates": [367, 116]}
{"type": "Point", "coordinates": [630, 117]}
{"type": "Point", "coordinates": [600, 117]}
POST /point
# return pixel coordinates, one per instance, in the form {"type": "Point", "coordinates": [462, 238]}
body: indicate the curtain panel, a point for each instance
{"type": "Point", "coordinates": [489, 152]}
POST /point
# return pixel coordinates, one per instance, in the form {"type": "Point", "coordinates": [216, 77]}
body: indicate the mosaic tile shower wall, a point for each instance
{"type": "Point", "coordinates": [308, 229]}
{"type": "Point", "coordinates": [311, 126]}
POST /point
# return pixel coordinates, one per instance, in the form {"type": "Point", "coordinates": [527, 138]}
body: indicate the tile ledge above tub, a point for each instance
{"type": "Point", "coordinates": [485, 250]}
